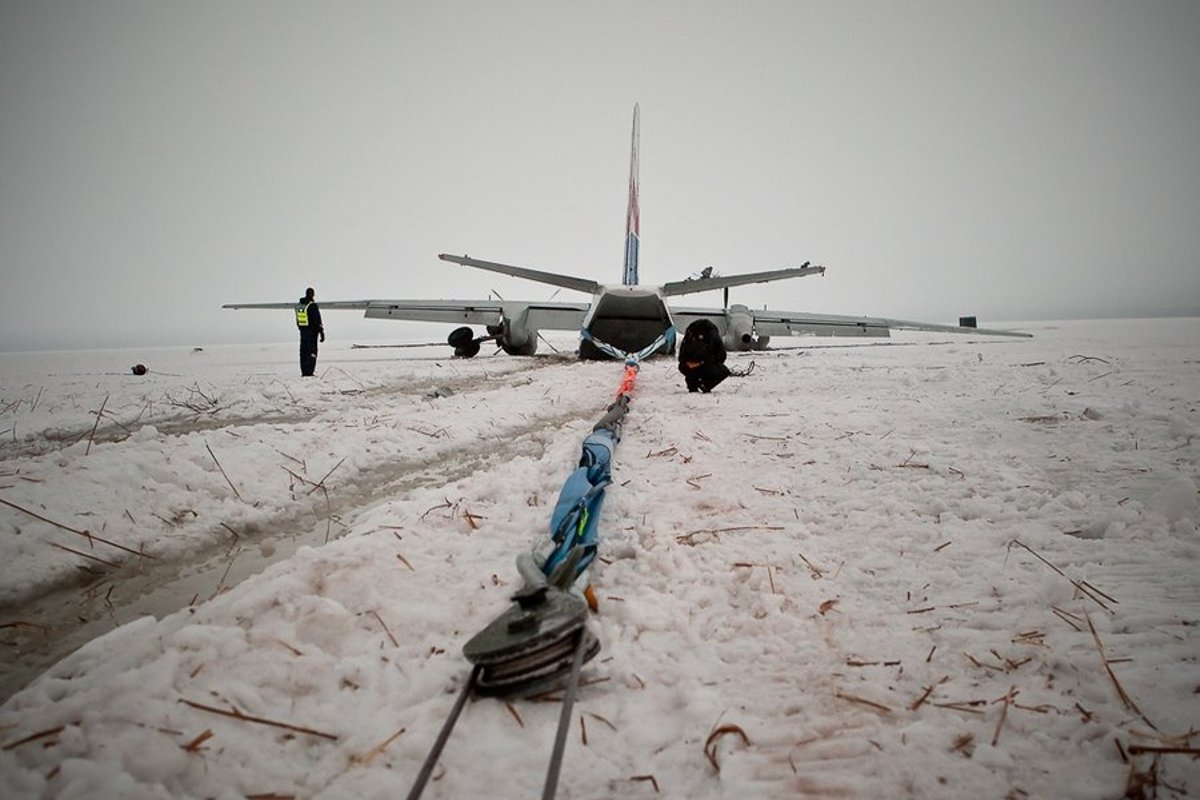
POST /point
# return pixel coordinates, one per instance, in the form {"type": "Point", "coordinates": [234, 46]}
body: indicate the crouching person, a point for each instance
{"type": "Point", "coordinates": [702, 356]}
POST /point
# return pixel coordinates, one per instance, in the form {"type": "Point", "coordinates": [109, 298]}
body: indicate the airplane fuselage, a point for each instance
{"type": "Point", "coordinates": [628, 318]}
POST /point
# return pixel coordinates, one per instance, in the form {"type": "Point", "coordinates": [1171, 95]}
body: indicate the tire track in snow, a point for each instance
{"type": "Point", "coordinates": [206, 415]}
{"type": "Point", "coordinates": [72, 613]}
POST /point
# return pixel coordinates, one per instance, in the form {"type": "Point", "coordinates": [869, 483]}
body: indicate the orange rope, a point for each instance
{"type": "Point", "coordinates": [631, 371]}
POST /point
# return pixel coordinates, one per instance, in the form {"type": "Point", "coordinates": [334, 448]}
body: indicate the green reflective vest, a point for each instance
{"type": "Point", "coordinates": [302, 314]}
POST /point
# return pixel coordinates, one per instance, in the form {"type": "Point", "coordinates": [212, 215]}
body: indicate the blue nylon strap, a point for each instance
{"type": "Point", "coordinates": [576, 518]}
{"type": "Point", "coordinates": [666, 338]}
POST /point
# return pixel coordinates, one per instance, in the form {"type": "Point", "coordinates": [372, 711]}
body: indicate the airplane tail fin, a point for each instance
{"type": "Point", "coordinates": [630, 277]}
{"type": "Point", "coordinates": [551, 278]}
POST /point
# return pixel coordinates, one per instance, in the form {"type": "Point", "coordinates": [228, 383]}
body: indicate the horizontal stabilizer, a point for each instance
{"type": "Point", "coordinates": [693, 285]}
{"type": "Point", "coordinates": [552, 278]}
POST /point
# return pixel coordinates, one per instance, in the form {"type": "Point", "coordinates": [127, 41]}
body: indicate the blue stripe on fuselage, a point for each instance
{"type": "Point", "coordinates": [631, 260]}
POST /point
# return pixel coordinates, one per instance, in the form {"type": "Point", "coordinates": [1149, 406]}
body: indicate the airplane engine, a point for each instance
{"type": "Point", "coordinates": [516, 341]}
{"type": "Point", "coordinates": [513, 337]}
{"type": "Point", "coordinates": [739, 330]}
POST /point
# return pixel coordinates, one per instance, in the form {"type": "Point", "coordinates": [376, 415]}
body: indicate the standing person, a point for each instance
{"type": "Point", "coordinates": [308, 320]}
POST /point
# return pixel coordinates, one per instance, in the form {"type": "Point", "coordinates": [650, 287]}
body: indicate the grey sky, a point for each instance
{"type": "Point", "coordinates": [1013, 160]}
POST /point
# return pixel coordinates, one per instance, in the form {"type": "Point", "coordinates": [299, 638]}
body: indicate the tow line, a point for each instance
{"type": "Point", "coordinates": [543, 637]}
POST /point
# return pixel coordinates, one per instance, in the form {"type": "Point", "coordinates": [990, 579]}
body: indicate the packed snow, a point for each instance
{"type": "Point", "coordinates": [931, 567]}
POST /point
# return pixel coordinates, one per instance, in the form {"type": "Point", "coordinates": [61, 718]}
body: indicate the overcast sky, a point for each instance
{"type": "Point", "coordinates": [1012, 160]}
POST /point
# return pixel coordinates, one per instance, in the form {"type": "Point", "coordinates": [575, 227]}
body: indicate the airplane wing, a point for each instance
{"type": "Point", "coordinates": [788, 323]}
{"type": "Point", "coordinates": [556, 316]}
{"type": "Point", "coordinates": [343, 304]}
{"type": "Point", "coordinates": [536, 316]}
{"type": "Point", "coordinates": [767, 322]}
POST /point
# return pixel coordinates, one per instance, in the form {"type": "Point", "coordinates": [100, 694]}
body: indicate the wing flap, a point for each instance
{"type": "Point", "coordinates": [556, 316]}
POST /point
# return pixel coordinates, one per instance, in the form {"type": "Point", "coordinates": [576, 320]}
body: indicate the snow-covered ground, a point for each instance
{"type": "Point", "coordinates": [938, 567]}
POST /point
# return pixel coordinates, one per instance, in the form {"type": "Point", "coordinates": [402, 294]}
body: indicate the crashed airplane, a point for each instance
{"type": "Point", "coordinates": [627, 318]}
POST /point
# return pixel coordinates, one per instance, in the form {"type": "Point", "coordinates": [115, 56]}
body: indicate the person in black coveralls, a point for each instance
{"type": "Point", "coordinates": [702, 356]}
{"type": "Point", "coordinates": [308, 320]}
